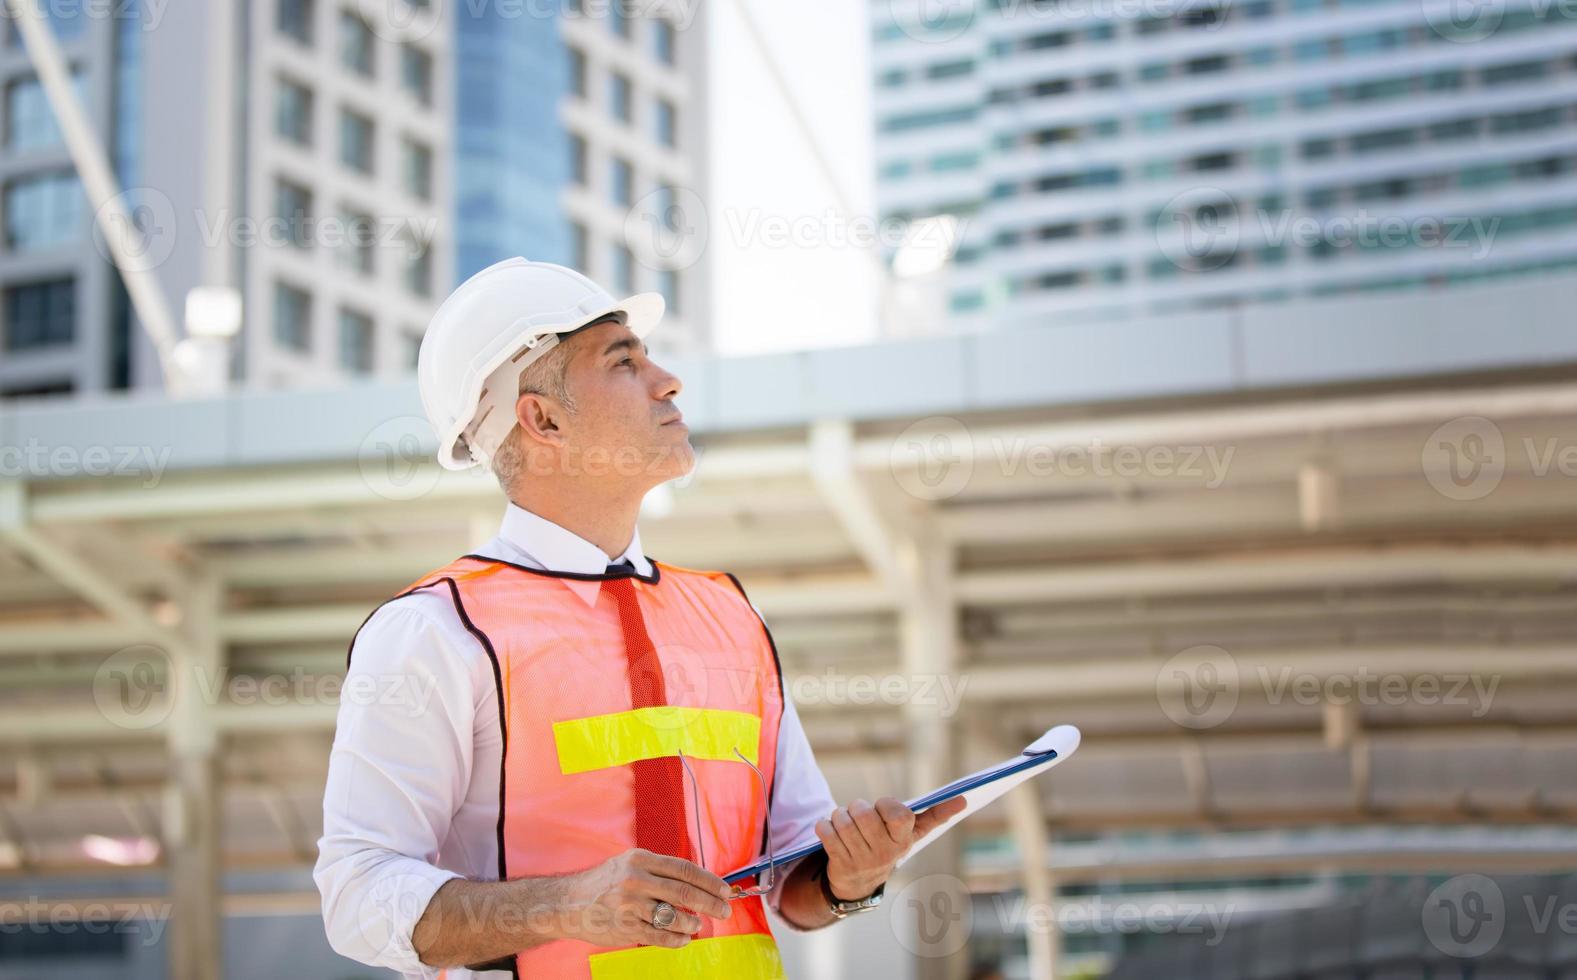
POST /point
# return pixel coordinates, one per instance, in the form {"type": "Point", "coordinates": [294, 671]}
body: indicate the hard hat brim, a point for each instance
{"type": "Point", "coordinates": [642, 311]}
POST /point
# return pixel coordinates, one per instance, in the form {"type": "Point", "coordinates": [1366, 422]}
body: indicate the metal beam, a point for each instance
{"type": "Point", "coordinates": [852, 502]}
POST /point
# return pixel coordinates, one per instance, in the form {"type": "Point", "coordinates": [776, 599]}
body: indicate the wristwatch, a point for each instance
{"type": "Point", "coordinates": [843, 909]}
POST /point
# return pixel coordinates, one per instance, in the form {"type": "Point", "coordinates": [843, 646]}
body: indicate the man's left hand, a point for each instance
{"type": "Point", "coordinates": [865, 841]}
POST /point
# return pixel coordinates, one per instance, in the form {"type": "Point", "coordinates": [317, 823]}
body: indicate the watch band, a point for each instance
{"type": "Point", "coordinates": [843, 908]}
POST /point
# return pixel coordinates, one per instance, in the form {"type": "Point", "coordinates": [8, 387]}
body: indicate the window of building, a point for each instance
{"type": "Point", "coordinates": [1210, 162]}
{"type": "Point", "coordinates": [45, 389]}
{"type": "Point", "coordinates": [293, 112]}
{"type": "Point", "coordinates": [1207, 66]}
{"type": "Point", "coordinates": [356, 140]}
{"type": "Point", "coordinates": [1259, 57]}
{"type": "Point", "coordinates": [1384, 139]}
{"type": "Point", "coordinates": [360, 235]}
{"type": "Point", "coordinates": [40, 314]}
{"type": "Point", "coordinates": [623, 270]}
{"type": "Point", "coordinates": [416, 73]}
{"type": "Point", "coordinates": [577, 71]}
{"type": "Point", "coordinates": [416, 168]}
{"type": "Point", "coordinates": [418, 271]}
{"type": "Point", "coordinates": [946, 162]}
{"type": "Point", "coordinates": [293, 206]}
{"type": "Point", "coordinates": [668, 285]}
{"type": "Point", "coordinates": [1522, 71]}
{"type": "Point", "coordinates": [577, 159]}
{"type": "Point", "coordinates": [292, 317]}
{"type": "Point", "coordinates": [1213, 112]}
{"type": "Point", "coordinates": [950, 69]}
{"type": "Point", "coordinates": [413, 347]}
{"type": "Point", "coordinates": [42, 211]}
{"type": "Point", "coordinates": [664, 35]}
{"type": "Point", "coordinates": [29, 121]}
{"type": "Point", "coordinates": [579, 247]}
{"type": "Point", "coordinates": [667, 123]}
{"type": "Point", "coordinates": [1318, 149]}
{"type": "Point", "coordinates": [619, 96]}
{"type": "Point", "coordinates": [294, 19]}
{"type": "Point", "coordinates": [1454, 129]}
{"type": "Point", "coordinates": [355, 341]}
{"type": "Point", "coordinates": [358, 45]}
{"type": "Point", "coordinates": [623, 182]}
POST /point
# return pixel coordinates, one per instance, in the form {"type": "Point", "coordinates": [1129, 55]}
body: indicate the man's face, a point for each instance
{"type": "Point", "coordinates": [625, 425]}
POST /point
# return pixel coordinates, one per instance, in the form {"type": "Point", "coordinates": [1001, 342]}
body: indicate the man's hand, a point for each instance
{"type": "Point", "coordinates": [864, 841]}
{"type": "Point", "coordinates": [613, 903]}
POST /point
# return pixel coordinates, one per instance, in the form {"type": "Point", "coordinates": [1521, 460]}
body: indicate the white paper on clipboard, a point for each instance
{"type": "Point", "coordinates": [1061, 742]}
{"type": "Point", "coordinates": [979, 789]}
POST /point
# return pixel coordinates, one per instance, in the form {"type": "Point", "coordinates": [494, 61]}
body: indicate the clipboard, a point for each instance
{"type": "Point", "coordinates": [978, 789]}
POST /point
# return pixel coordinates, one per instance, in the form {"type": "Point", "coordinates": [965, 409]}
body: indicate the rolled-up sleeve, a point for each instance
{"type": "Point", "coordinates": [399, 769]}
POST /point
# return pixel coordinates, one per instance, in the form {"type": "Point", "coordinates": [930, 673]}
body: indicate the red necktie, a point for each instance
{"type": "Point", "coordinates": [659, 783]}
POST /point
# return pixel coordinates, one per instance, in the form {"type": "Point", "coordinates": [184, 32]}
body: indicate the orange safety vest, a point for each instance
{"type": "Point", "coordinates": [570, 734]}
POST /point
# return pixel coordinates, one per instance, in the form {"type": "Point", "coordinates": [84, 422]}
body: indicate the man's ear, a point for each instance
{"type": "Point", "coordinates": [540, 418]}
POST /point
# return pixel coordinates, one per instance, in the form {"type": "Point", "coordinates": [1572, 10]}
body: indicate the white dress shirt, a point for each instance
{"type": "Point", "coordinates": [412, 794]}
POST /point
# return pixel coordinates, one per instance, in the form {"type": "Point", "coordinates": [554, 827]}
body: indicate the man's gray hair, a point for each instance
{"type": "Point", "coordinates": [547, 375]}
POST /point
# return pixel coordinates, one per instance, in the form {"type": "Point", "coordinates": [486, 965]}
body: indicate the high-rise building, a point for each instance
{"type": "Point", "coordinates": [297, 151]}
{"type": "Point", "coordinates": [52, 281]}
{"type": "Point", "coordinates": [1111, 159]}
{"type": "Point", "coordinates": [342, 164]}
{"type": "Point", "coordinates": [580, 129]}
{"type": "Point", "coordinates": [348, 144]}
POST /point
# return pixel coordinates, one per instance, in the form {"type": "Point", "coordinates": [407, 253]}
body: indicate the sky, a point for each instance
{"type": "Point", "coordinates": [769, 293]}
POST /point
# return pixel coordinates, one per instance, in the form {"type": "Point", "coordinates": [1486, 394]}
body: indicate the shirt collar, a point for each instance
{"type": "Point", "coordinates": [555, 548]}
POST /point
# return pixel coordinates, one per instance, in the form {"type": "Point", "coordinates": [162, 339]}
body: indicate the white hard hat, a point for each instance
{"type": "Point", "coordinates": [487, 332]}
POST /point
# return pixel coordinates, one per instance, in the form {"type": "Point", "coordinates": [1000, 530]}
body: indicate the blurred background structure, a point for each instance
{"type": "Point", "coordinates": [1221, 402]}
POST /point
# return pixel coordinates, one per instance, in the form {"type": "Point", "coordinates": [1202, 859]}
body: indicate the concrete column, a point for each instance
{"type": "Point", "coordinates": [1028, 820]}
{"type": "Point", "coordinates": [929, 635]}
{"type": "Point", "coordinates": [192, 803]}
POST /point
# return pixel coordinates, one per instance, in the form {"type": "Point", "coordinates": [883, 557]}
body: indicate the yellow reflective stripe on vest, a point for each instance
{"type": "Point", "coordinates": [624, 737]}
{"type": "Point", "coordinates": [750, 957]}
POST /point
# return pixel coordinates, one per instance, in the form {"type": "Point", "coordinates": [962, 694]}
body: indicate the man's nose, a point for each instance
{"type": "Point", "coordinates": [668, 384]}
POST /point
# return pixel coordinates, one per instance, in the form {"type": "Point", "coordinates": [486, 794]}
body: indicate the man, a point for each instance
{"type": "Point", "coordinates": [599, 736]}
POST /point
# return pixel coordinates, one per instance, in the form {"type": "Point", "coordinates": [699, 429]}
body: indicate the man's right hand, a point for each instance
{"type": "Point", "coordinates": [613, 903]}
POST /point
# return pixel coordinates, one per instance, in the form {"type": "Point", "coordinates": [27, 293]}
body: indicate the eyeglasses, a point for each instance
{"type": "Point", "coordinates": [765, 880]}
